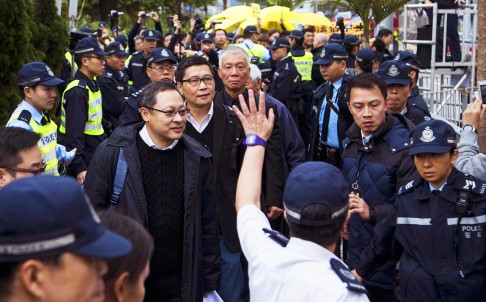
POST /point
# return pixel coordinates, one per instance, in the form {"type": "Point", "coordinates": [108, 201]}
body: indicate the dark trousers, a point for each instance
{"type": "Point", "coordinates": [377, 294]}
{"type": "Point", "coordinates": [452, 34]}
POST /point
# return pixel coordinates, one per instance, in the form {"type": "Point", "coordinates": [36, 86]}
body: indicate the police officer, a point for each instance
{"type": "Point", "coordinates": [37, 86]}
{"type": "Point", "coordinates": [335, 38]}
{"type": "Point", "coordinates": [415, 100]}
{"type": "Point", "coordinates": [81, 110]}
{"type": "Point", "coordinates": [258, 53]}
{"type": "Point", "coordinates": [332, 117]}
{"type": "Point", "coordinates": [438, 225]}
{"type": "Point", "coordinates": [315, 201]}
{"type": "Point", "coordinates": [398, 82]}
{"type": "Point", "coordinates": [114, 85]}
{"type": "Point", "coordinates": [351, 44]}
{"type": "Point", "coordinates": [137, 65]}
{"type": "Point", "coordinates": [286, 83]}
{"type": "Point", "coordinates": [365, 61]}
{"type": "Point", "coordinates": [303, 61]}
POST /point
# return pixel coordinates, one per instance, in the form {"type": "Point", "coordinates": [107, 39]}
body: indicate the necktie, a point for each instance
{"type": "Point", "coordinates": [365, 140]}
{"type": "Point", "coordinates": [44, 120]}
{"type": "Point", "coordinates": [327, 113]}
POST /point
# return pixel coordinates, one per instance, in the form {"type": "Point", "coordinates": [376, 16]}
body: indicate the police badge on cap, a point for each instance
{"type": "Point", "coordinates": [427, 135]}
{"type": "Point", "coordinates": [393, 71]}
{"type": "Point", "coordinates": [164, 53]}
{"type": "Point", "coordinates": [323, 53]}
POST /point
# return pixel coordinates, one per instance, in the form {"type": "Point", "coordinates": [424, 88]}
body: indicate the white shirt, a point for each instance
{"type": "Point", "coordinates": [205, 121]}
{"type": "Point", "coordinates": [365, 138]}
{"type": "Point", "coordinates": [301, 271]}
{"type": "Point", "coordinates": [146, 138]}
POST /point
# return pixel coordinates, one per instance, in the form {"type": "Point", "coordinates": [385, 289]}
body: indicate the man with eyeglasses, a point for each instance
{"type": "Point", "coordinates": [167, 188]}
{"type": "Point", "coordinates": [81, 109]}
{"type": "Point", "coordinates": [114, 85]}
{"type": "Point", "coordinates": [20, 155]}
{"type": "Point", "coordinates": [135, 68]}
{"type": "Point", "coordinates": [161, 66]}
{"type": "Point", "coordinates": [37, 87]}
{"type": "Point", "coordinates": [217, 127]}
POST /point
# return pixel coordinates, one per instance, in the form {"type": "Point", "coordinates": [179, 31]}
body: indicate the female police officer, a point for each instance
{"type": "Point", "coordinates": [438, 230]}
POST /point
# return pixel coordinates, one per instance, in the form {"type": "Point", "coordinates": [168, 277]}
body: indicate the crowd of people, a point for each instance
{"type": "Point", "coordinates": [183, 162]}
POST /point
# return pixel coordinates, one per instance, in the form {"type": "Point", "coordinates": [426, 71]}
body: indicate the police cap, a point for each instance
{"type": "Point", "coordinates": [351, 40]}
{"type": "Point", "coordinates": [149, 35]}
{"type": "Point", "coordinates": [159, 55]}
{"type": "Point", "coordinates": [296, 34]}
{"type": "Point", "coordinates": [365, 55]}
{"type": "Point", "coordinates": [408, 58]}
{"type": "Point", "coordinates": [394, 72]}
{"type": "Point", "coordinates": [88, 45]}
{"type": "Point", "coordinates": [432, 136]}
{"type": "Point", "coordinates": [280, 43]}
{"type": "Point", "coordinates": [331, 52]}
{"type": "Point", "coordinates": [46, 215]}
{"type": "Point", "coordinates": [36, 73]}
{"type": "Point", "coordinates": [335, 38]}
{"type": "Point", "coordinates": [250, 29]}
{"type": "Point", "coordinates": [116, 48]}
{"type": "Point", "coordinates": [207, 38]}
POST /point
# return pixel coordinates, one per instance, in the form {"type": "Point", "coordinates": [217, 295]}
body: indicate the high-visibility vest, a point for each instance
{"type": "Point", "coordinates": [95, 112]}
{"type": "Point", "coordinates": [255, 51]}
{"type": "Point", "coordinates": [304, 65]}
{"type": "Point", "coordinates": [127, 61]}
{"type": "Point", "coordinates": [47, 142]}
{"type": "Point", "coordinates": [69, 58]}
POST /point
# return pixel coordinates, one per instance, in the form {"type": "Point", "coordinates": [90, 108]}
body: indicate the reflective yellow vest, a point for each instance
{"type": "Point", "coordinates": [304, 65]}
{"type": "Point", "coordinates": [256, 51]}
{"type": "Point", "coordinates": [47, 143]}
{"type": "Point", "coordinates": [127, 61]}
{"type": "Point", "coordinates": [95, 113]}
{"type": "Point", "coordinates": [69, 57]}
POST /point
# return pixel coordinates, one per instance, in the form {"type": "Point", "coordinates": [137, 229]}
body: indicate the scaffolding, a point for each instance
{"type": "Point", "coordinates": [447, 98]}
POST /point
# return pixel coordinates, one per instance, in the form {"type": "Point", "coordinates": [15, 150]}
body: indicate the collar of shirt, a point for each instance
{"type": "Point", "coordinates": [365, 137]}
{"type": "Point", "coordinates": [311, 249]}
{"type": "Point", "coordinates": [440, 189]}
{"type": "Point", "coordinates": [404, 111]}
{"type": "Point", "coordinates": [93, 86]}
{"type": "Point", "coordinates": [146, 138]}
{"type": "Point", "coordinates": [337, 85]}
{"type": "Point", "coordinates": [248, 43]}
{"type": "Point", "coordinates": [205, 121]}
{"type": "Point", "coordinates": [36, 115]}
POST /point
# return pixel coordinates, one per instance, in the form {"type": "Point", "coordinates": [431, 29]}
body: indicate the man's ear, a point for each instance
{"type": "Point", "coordinates": [120, 286]}
{"type": "Point", "coordinates": [5, 177]}
{"type": "Point", "coordinates": [33, 275]}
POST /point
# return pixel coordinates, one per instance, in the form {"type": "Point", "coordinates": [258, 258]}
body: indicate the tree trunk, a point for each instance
{"type": "Point", "coordinates": [481, 65]}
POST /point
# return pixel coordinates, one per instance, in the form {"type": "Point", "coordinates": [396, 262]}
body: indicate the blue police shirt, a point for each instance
{"type": "Point", "coordinates": [61, 153]}
{"type": "Point", "coordinates": [432, 189]}
{"type": "Point", "coordinates": [332, 134]}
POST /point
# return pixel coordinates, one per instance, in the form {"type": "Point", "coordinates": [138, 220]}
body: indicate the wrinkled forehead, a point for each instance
{"type": "Point", "coordinates": [235, 58]}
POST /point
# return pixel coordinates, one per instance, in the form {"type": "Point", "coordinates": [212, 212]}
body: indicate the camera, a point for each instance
{"type": "Point", "coordinates": [75, 36]}
{"type": "Point", "coordinates": [147, 15]}
{"type": "Point", "coordinates": [199, 26]}
{"type": "Point", "coordinates": [115, 14]}
{"type": "Point", "coordinates": [482, 91]}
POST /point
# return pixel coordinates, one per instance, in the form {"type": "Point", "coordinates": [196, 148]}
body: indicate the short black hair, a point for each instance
{"type": "Point", "coordinates": [149, 93]}
{"type": "Point", "coordinates": [322, 235]}
{"type": "Point", "coordinates": [14, 140]}
{"type": "Point", "coordinates": [308, 30]}
{"type": "Point", "coordinates": [368, 81]}
{"type": "Point", "coordinates": [219, 29]}
{"type": "Point", "coordinates": [384, 32]}
{"type": "Point", "coordinates": [379, 45]}
{"type": "Point", "coordinates": [21, 90]}
{"type": "Point", "coordinates": [366, 66]}
{"type": "Point", "coordinates": [187, 62]}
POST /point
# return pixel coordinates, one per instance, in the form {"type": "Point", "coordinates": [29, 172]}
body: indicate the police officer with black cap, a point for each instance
{"type": "Point", "coordinates": [365, 61]}
{"type": "Point", "coordinates": [351, 44]}
{"type": "Point", "coordinates": [332, 117]}
{"type": "Point", "coordinates": [114, 85]}
{"type": "Point", "coordinates": [415, 99]}
{"type": "Point", "coordinates": [438, 226]}
{"type": "Point", "coordinates": [396, 75]}
{"type": "Point", "coordinates": [335, 38]}
{"type": "Point", "coordinates": [138, 62]}
{"type": "Point", "coordinates": [81, 108]}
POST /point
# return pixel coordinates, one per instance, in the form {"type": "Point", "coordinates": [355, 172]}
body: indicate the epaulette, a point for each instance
{"type": "Point", "coordinates": [82, 84]}
{"type": "Point", "coordinates": [346, 142]}
{"type": "Point", "coordinates": [408, 187]}
{"type": "Point", "coordinates": [25, 116]}
{"type": "Point", "coordinates": [477, 186]}
{"type": "Point", "coordinates": [137, 52]}
{"type": "Point", "coordinates": [137, 93]}
{"type": "Point", "coordinates": [277, 237]}
{"type": "Point", "coordinates": [109, 75]}
{"type": "Point", "coordinates": [347, 277]}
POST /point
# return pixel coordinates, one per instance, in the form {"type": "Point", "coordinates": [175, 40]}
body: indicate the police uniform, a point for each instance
{"type": "Point", "coordinates": [81, 113]}
{"type": "Point", "coordinates": [257, 53]}
{"type": "Point", "coordinates": [136, 68]}
{"type": "Point", "coordinates": [27, 117]}
{"type": "Point", "coordinates": [349, 43]}
{"type": "Point", "coordinates": [114, 88]}
{"type": "Point", "coordinates": [438, 234]}
{"type": "Point", "coordinates": [298, 270]}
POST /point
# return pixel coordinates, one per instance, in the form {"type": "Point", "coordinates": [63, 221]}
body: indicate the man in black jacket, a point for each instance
{"type": "Point", "coordinates": [138, 60]}
{"type": "Point", "coordinates": [168, 189]}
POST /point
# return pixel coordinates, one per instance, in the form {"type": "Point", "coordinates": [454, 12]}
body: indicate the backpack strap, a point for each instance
{"type": "Point", "coordinates": [120, 176]}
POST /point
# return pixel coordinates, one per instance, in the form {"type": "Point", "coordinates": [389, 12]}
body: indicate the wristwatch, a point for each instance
{"type": "Point", "coordinates": [469, 127]}
{"type": "Point", "coordinates": [254, 140]}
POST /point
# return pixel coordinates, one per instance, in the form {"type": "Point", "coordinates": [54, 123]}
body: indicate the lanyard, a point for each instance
{"type": "Point", "coordinates": [355, 185]}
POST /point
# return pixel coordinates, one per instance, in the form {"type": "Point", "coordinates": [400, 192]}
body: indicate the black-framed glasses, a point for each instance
{"type": "Point", "coordinates": [41, 170]}
{"type": "Point", "coordinates": [208, 80]}
{"type": "Point", "coordinates": [101, 58]}
{"type": "Point", "coordinates": [162, 68]}
{"type": "Point", "coordinates": [172, 113]}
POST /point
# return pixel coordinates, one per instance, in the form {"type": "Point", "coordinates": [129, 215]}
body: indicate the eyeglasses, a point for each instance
{"type": "Point", "coordinates": [41, 170]}
{"type": "Point", "coordinates": [197, 81]}
{"type": "Point", "coordinates": [172, 113]}
{"type": "Point", "coordinates": [101, 58]}
{"type": "Point", "coordinates": [161, 68]}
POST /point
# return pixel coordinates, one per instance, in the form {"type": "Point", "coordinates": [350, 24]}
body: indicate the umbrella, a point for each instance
{"type": "Point", "coordinates": [229, 25]}
{"type": "Point", "coordinates": [309, 19]}
{"type": "Point", "coordinates": [272, 15]}
{"type": "Point", "coordinates": [245, 23]}
{"type": "Point", "coordinates": [239, 12]}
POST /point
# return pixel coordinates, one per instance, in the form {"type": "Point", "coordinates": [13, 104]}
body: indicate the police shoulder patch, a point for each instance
{"type": "Point", "coordinates": [408, 187]}
{"type": "Point", "coordinates": [25, 116]}
{"type": "Point", "coordinates": [277, 237]}
{"type": "Point", "coordinates": [476, 186]}
{"type": "Point", "coordinates": [347, 277]}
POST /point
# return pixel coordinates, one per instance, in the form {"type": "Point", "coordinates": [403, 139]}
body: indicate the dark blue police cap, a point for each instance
{"type": "Point", "coordinates": [149, 35]}
{"type": "Point", "coordinates": [207, 38]}
{"type": "Point", "coordinates": [280, 43]}
{"type": "Point", "coordinates": [394, 72]}
{"type": "Point", "coordinates": [85, 29]}
{"type": "Point", "coordinates": [408, 58]}
{"type": "Point", "coordinates": [296, 34]}
{"type": "Point", "coordinates": [121, 38]}
{"type": "Point", "coordinates": [102, 24]}
{"type": "Point", "coordinates": [250, 29]}
{"type": "Point", "coordinates": [335, 38]}
{"type": "Point", "coordinates": [42, 216]}
{"type": "Point", "coordinates": [36, 73]}
{"type": "Point", "coordinates": [116, 28]}
{"type": "Point", "coordinates": [315, 183]}
{"type": "Point", "coordinates": [332, 52]}
{"type": "Point", "coordinates": [159, 55]}
{"type": "Point", "coordinates": [116, 48]}
{"type": "Point", "coordinates": [432, 136]}
{"type": "Point", "coordinates": [88, 45]}
{"type": "Point", "coordinates": [365, 55]}
{"type": "Point", "coordinates": [351, 40]}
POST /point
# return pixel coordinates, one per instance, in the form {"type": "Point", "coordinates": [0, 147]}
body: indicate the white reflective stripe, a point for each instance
{"type": "Point", "coordinates": [467, 220]}
{"type": "Point", "coordinates": [47, 157]}
{"type": "Point", "coordinates": [36, 247]}
{"type": "Point", "coordinates": [414, 221]}
{"type": "Point", "coordinates": [292, 213]}
{"type": "Point", "coordinates": [95, 103]}
{"type": "Point", "coordinates": [96, 115]}
{"type": "Point", "coordinates": [96, 126]}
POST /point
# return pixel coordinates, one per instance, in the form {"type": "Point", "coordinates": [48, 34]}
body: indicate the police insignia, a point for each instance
{"type": "Point", "coordinates": [121, 47]}
{"type": "Point", "coordinates": [397, 57]}
{"type": "Point", "coordinates": [427, 135]}
{"type": "Point", "coordinates": [49, 71]}
{"type": "Point", "coordinates": [323, 53]}
{"type": "Point", "coordinates": [393, 71]}
{"type": "Point", "coordinates": [206, 36]}
{"type": "Point", "coordinates": [151, 33]}
{"type": "Point", "coordinates": [164, 53]}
